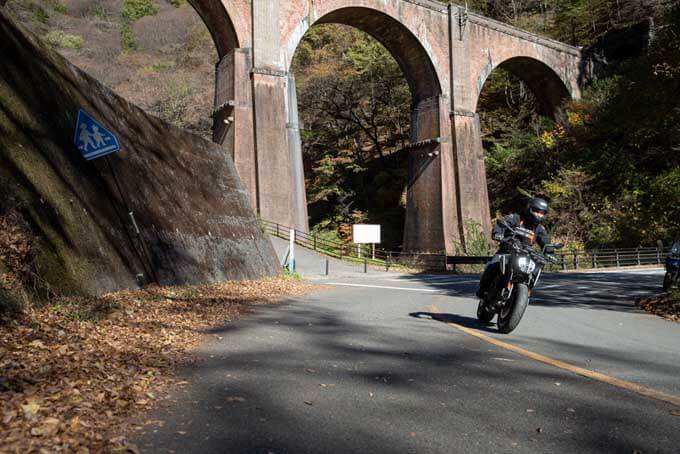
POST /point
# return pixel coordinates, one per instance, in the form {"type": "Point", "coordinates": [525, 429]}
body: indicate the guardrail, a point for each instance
{"type": "Point", "coordinates": [610, 258]}
{"type": "Point", "coordinates": [358, 253]}
{"type": "Point", "coordinates": [568, 260]}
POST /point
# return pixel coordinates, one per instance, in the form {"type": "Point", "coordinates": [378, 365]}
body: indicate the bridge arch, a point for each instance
{"type": "Point", "coordinates": [218, 19]}
{"type": "Point", "coordinates": [430, 124]}
{"type": "Point", "coordinates": [407, 49]}
{"type": "Point", "coordinates": [547, 85]}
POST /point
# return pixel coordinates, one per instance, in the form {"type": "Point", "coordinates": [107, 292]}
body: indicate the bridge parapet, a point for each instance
{"type": "Point", "coordinates": [515, 32]}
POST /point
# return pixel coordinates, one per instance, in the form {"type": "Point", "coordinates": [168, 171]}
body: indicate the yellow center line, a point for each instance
{"type": "Point", "coordinates": [633, 387]}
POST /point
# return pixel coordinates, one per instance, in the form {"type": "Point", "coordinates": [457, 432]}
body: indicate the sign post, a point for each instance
{"type": "Point", "coordinates": [366, 234]}
{"type": "Point", "coordinates": [291, 260]}
{"type": "Point", "coordinates": [94, 141]}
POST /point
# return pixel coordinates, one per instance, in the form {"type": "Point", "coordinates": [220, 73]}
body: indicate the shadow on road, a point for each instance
{"type": "Point", "coordinates": [457, 319]}
{"type": "Point", "coordinates": [600, 291]}
{"type": "Point", "coordinates": [314, 377]}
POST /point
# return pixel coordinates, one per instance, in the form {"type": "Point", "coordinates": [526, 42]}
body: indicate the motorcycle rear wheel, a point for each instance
{"type": "Point", "coordinates": [484, 314]}
{"type": "Point", "coordinates": [509, 319]}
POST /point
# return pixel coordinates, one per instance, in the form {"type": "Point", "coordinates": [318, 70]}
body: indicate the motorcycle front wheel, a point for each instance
{"type": "Point", "coordinates": [510, 316]}
{"type": "Point", "coordinates": [667, 281]}
{"type": "Point", "coordinates": [484, 314]}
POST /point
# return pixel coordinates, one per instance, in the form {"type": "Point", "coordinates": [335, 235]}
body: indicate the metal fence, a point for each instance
{"type": "Point", "coordinates": [358, 253]}
{"type": "Point", "coordinates": [568, 260]}
{"type": "Point", "coordinates": [608, 258]}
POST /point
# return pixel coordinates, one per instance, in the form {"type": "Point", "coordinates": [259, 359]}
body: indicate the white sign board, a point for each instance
{"type": "Point", "coordinates": [366, 233]}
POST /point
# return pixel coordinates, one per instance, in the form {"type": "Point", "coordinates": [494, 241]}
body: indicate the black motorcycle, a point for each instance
{"type": "Point", "coordinates": [508, 292]}
{"type": "Point", "coordinates": [672, 267]}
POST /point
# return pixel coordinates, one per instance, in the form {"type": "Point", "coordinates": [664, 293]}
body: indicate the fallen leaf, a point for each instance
{"type": "Point", "coordinates": [9, 416]}
{"type": "Point", "coordinates": [30, 409]}
{"type": "Point", "coordinates": [48, 428]}
{"type": "Point", "coordinates": [308, 402]}
{"type": "Point", "coordinates": [310, 371]}
{"type": "Point", "coordinates": [87, 375]}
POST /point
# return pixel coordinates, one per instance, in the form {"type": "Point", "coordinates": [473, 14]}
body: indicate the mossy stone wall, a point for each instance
{"type": "Point", "coordinates": [194, 215]}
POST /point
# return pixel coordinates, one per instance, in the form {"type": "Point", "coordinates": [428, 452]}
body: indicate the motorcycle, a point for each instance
{"type": "Point", "coordinates": [672, 268]}
{"type": "Point", "coordinates": [508, 293]}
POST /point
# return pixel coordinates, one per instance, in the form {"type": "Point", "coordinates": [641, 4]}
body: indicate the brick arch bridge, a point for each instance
{"type": "Point", "coordinates": [446, 55]}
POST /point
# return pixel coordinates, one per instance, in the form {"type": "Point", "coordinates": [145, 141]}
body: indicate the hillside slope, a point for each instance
{"type": "Point", "coordinates": [157, 54]}
{"type": "Point", "coordinates": [194, 215]}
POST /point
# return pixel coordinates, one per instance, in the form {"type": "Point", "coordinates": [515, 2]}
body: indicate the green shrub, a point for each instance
{"type": "Point", "coordinates": [127, 38]}
{"type": "Point", "coordinates": [476, 242]}
{"type": "Point", "coordinates": [40, 13]}
{"type": "Point", "coordinates": [136, 9]}
{"type": "Point", "coordinates": [61, 8]}
{"type": "Point", "coordinates": [287, 274]}
{"type": "Point", "coordinates": [58, 38]}
{"type": "Point", "coordinates": [157, 67]}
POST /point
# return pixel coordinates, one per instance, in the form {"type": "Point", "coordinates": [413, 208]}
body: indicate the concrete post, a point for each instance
{"type": "Point", "coordinates": [431, 217]}
{"type": "Point", "coordinates": [269, 77]}
{"type": "Point", "coordinates": [423, 225]}
{"type": "Point", "coordinates": [473, 193]}
{"type": "Point", "coordinates": [295, 148]}
{"type": "Point", "coordinates": [468, 154]}
{"type": "Point", "coordinates": [233, 116]}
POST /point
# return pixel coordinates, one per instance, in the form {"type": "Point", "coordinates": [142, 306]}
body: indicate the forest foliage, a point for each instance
{"type": "Point", "coordinates": [610, 168]}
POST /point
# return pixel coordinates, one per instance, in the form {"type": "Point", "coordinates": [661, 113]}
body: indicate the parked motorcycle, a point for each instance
{"type": "Point", "coordinates": [672, 267]}
{"type": "Point", "coordinates": [510, 289]}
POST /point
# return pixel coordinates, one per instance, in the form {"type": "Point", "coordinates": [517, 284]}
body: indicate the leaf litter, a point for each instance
{"type": "Point", "coordinates": [78, 373]}
{"type": "Point", "coordinates": [663, 305]}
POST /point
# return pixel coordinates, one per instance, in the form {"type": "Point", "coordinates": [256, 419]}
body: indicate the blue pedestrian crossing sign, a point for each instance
{"type": "Point", "coordinates": [92, 139]}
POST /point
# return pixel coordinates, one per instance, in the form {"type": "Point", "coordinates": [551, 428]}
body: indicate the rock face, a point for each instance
{"type": "Point", "coordinates": [194, 216]}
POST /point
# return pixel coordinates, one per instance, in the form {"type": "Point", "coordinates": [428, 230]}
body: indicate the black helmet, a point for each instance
{"type": "Point", "coordinates": [537, 211]}
{"type": "Point", "coordinates": [675, 249]}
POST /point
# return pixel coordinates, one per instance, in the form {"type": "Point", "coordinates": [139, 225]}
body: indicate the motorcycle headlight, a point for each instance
{"type": "Point", "coordinates": [526, 265]}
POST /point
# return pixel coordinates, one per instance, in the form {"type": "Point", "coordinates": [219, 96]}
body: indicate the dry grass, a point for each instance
{"type": "Point", "coordinates": [74, 373]}
{"type": "Point", "coordinates": [181, 94]}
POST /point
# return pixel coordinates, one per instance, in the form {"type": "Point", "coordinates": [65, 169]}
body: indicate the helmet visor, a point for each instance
{"type": "Point", "coordinates": [538, 214]}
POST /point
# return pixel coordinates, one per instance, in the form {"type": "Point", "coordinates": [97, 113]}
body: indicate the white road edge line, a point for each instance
{"type": "Point", "coordinates": [386, 287]}
{"type": "Point", "coordinates": [428, 282]}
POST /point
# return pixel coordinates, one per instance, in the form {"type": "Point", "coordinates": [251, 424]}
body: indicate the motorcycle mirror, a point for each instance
{"type": "Point", "coordinates": [558, 245]}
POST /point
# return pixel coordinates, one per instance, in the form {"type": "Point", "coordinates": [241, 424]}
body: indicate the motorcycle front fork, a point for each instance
{"type": "Point", "coordinates": [501, 299]}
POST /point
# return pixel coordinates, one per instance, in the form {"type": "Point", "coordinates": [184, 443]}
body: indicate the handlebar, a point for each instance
{"type": "Point", "coordinates": [517, 245]}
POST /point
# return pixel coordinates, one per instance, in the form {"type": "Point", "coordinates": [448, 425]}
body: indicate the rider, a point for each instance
{"type": "Point", "coordinates": [532, 217]}
{"type": "Point", "coordinates": [675, 249]}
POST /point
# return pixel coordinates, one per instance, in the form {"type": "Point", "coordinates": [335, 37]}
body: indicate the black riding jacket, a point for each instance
{"type": "Point", "coordinates": [542, 237]}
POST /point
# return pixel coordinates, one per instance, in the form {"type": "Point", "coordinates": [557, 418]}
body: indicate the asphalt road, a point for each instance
{"type": "Point", "coordinates": [373, 363]}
